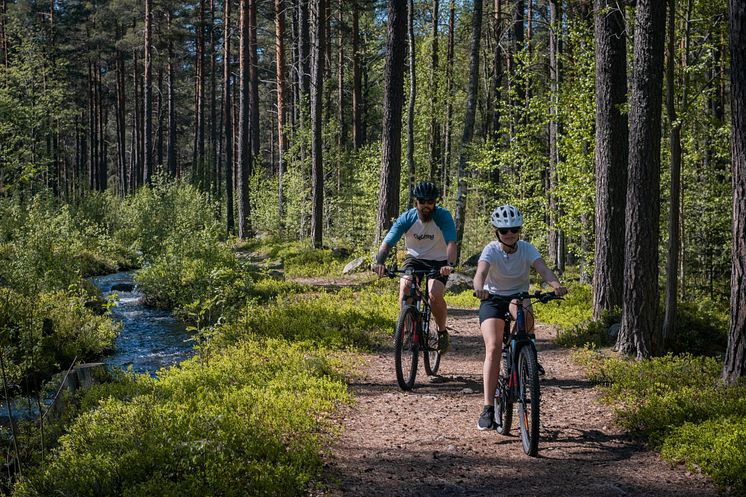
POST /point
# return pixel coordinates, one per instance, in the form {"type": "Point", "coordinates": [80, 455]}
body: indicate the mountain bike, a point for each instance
{"type": "Point", "coordinates": [518, 381]}
{"type": "Point", "coordinates": [415, 328]}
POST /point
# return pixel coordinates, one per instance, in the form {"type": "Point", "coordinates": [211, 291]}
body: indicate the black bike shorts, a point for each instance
{"type": "Point", "coordinates": [424, 264]}
{"type": "Point", "coordinates": [489, 309]}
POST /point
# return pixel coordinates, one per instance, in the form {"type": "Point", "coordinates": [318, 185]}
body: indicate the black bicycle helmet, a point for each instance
{"type": "Point", "coordinates": [426, 190]}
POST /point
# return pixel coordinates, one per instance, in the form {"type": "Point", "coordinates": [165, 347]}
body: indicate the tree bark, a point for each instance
{"type": "Point", "coordinates": [610, 156]}
{"type": "Point", "coordinates": [471, 106]}
{"type": "Point", "coordinates": [434, 127]}
{"type": "Point", "coordinates": [254, 76]}
{"type": "Point", "coordinates": [412, 98]}
{"type": "Point", "coordinates": [244, 167]}
{"type": "Point", "coordinates": [121, 125]}
{"type": "Point", "coordinates": [148, 97]}
{"type": "Point", "coordinates": [171, 153]}
{"type": "Point", "coordinates": [280, 82]}
{"type": "Point", "coordinates": [198, 154]}
{"type": "Point", "coordinates": [357, 84]}
{"type": "Point", "coordinates": [556, 237]}
{"type": "Point", "coordinates": [388, 198]}
{"type": "Point", "coordinates": [497, 63]}
{"type": "Point", "coordinates": [317, 93]}
{"type": "Point", "coordinates": [447, 146]}
{"type": "Point", "coordinates": [228, 116]}
{"type": "Point", "coordinates": [735, 356]}
{"type": "Point", "coordinates": [640, 308]}
{"type": "Point", "coordinates": [674, 242]}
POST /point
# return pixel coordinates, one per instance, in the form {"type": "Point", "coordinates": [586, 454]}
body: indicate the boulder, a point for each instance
{"type": "Point", "coordinates": [458, 282]}
{"type": "Point", "coordinates": [354, 266]}
{"type": "Point", "coordinates": [122, 287]}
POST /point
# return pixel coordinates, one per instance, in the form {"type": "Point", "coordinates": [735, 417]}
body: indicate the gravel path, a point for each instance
{"type": "Point", "coordinates": [425, 442]}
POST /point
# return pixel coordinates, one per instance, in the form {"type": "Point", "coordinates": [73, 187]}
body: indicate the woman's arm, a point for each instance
{"type": "Point", "coordinates": [549, 276]}
{"type": "Point", "coordinates": [482, 268]}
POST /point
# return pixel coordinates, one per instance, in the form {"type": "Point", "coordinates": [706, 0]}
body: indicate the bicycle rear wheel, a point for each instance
{"type": "Point", "coordinates": [431, 353]}
{"type": "Point", "coordinates": [528, 400]}
{"type": "Point", "coordinates": [406, 348]}
{"type": "Point", "coordinates": [503, 407]}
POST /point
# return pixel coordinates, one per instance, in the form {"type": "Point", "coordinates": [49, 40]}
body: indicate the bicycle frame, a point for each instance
{"type": "Point", "coordinates": [520, 383]}
{"type": "Point", "coordinates": [419, 301]}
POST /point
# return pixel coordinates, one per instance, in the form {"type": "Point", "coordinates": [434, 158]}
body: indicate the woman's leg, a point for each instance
{"type": "Point", "coordinates": [492, 333]}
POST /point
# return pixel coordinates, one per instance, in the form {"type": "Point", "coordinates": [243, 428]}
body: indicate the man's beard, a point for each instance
{"type": "Point", "coordinates": [425, 216]}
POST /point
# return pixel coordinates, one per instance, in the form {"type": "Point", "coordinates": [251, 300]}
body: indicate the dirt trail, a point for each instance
{"type": "Point", "coordinates": [425, 442]}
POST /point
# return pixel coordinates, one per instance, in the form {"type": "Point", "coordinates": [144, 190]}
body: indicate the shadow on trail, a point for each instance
{"type": "Point", "coordinates": [453, 472]}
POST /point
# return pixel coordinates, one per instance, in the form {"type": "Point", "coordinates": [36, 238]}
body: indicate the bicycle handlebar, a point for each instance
{"type": "Point", "coordinates": [543, 297]}
{"type": "Point", "coordinates": [393, 272]}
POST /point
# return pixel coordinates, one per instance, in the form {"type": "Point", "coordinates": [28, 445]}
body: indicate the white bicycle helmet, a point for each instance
{"type": "Point", "coordinates": [507, 216]}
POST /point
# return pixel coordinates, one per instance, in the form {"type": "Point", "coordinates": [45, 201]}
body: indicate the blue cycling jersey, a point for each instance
{"type": "Point", "coordinates": [424, 240]}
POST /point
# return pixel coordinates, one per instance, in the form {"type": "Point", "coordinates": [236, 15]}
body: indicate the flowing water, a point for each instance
{"type": "Point", "coordinates": [151, 338]}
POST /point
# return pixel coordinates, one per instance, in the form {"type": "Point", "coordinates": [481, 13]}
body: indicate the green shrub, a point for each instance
{"type": "Point", "coordinates": [45, 334]}
{"type": "Point", "coordinates": [251, 420]}
{"type": "Point", "coordinates": [679, 403]}
{"type": "Point", "coordinates": [339, 320]}
{"type": "Point", "coordinates": [716, 446]}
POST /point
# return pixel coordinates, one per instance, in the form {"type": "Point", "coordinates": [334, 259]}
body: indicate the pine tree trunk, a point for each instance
{"type": "Point", "coordinates": [254, 76]}
{"type": "Point", "coordinates": [412, 98]}
{"type": "Point", "coordinates": [735, 357]}
{"type": "Point", "coordinates": [214, 126]}
{"type": "Point", "coordinates": [396, 46]}
{"type": "Point", "coordinates": [121, 125]}
{"type": "Point", "coordinates": [228, 116]}
{"type": "Point", "coordinates": [148, 97]}
{"type": "Point", "coordinates": [447, 146]}
{"type": "Point", "coordinates": [610, 156]}
{"type": "Point", "coordinates": [280, 82]}
{"type": "Point", "coordinates": [497, 63]}
{"type": "Point", "coordinates": [556, 249]}
{"type": "Point", "coordinates": [357, 118]}
{"type": "Point", "coordinates": [434, 128]}
{"type": "Point", "coordinates": [171, 97]}
{"type": "Point", "coordinates": [244, 167]}
{"type": "Point", "coordinates": [672, 260]}
{"type": "Point", "coordinates": [640, 310]}
{"type": "Point", "coordinates": [317, 94]}
{"type": "Point", "coordinates": [471, 105]}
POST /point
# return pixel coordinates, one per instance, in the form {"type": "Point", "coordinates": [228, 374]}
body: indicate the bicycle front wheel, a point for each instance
{"type": "Point", "coordinates": [528, 400]}
{"type": "Point", "coordinates": [406, 348]}
{"type": "Point", "coordinates": [503, 407]}
{"type": "Point", "coordinates": [431, 354]}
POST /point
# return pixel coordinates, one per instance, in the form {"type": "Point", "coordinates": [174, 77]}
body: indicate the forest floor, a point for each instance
{"type": "Point", "coordinates": [425, 442]}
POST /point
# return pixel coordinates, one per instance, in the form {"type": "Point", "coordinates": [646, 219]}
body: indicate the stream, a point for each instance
{"type": "Point", "coordinates": [151, 338]}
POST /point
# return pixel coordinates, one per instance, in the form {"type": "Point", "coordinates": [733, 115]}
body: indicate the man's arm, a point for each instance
{"type": "Point", "coordinates": [378, 265]}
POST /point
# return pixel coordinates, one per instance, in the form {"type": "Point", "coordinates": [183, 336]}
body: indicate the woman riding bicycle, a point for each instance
{"type": "Point", "coordinates": [503, 269]}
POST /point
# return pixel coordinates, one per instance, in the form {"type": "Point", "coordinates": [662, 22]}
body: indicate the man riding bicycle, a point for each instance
{"type": "Point", "coordinates": [430, 239]}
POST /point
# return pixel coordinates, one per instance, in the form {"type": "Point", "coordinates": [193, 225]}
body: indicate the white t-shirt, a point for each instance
{"type": "Point", "coordinates": [508, 273]}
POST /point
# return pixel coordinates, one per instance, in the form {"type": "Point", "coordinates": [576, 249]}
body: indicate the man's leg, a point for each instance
{"type": "Point", "coordinates": [438, 303]}
{"type": "Point", "coordinates": [404, 284]}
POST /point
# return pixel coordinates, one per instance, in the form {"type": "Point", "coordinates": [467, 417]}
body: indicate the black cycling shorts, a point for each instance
{"type": "Point", "coordinates": [489, 309]}
{"type": "Point", "coordinates": [424, 264]}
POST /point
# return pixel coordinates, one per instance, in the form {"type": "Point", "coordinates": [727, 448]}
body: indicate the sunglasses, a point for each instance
{"type": "Point", "coordinates": [426, 201]}
{"type": "Point", "coordinates": [504, 231]}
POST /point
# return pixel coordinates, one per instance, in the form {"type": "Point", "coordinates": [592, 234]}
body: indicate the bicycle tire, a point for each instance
{"type": "Point", "coordinates": [406, 349]}
{"type": "Point", "coordinates": [503, 407]}
{"type": "Point", "coordinates": [528, 400]}
{"type": "Point", "coordinates": [431, 356]}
